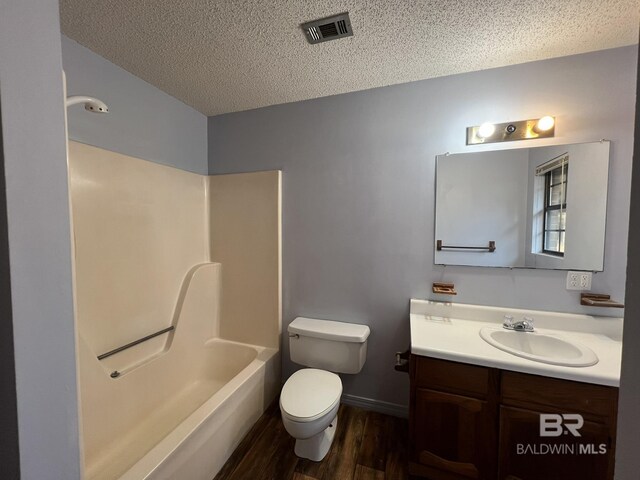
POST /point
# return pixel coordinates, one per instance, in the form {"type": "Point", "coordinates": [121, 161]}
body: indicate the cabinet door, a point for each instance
{"type": "Point", "coordinates": [454, 435]}
{"type": "Point", "coordinates": [525, 455]}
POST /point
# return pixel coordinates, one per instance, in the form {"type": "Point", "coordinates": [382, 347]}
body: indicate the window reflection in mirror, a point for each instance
{"type": "Point", "coordinates": [555, 207]}
{"type": "Point", "coordinates": [544, 207]}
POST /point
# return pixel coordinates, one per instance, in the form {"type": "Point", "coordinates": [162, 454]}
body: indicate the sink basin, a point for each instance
{"type": "Point", "coordinates": [540, 347]}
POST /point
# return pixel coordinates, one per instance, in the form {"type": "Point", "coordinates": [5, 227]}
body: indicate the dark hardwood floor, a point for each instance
{"type": "Point", "coordinates": [367, 445]}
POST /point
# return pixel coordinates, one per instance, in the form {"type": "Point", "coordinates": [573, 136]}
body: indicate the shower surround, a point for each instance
{"type": "Point", "coordinates": [157, 247]}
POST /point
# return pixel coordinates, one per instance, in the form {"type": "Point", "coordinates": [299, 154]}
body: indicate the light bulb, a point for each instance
{"type": "Point", "coordinates": [545, 123]}
{"type": "Point", "coordinates": [486, 130]}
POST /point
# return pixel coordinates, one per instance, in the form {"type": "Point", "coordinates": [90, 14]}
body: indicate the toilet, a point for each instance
{"type": "Point", "coordinates": [310, 398]}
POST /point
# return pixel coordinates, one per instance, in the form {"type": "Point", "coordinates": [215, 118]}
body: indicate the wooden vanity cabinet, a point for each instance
{"type": "Point", "coordinates": [453, 420]}
{"type": "Point", "coordinates": [518, 426]}
{"type": "Point", "coordinates": [466, 422]}
{"type": "Point", "coordinates": [524, 397]}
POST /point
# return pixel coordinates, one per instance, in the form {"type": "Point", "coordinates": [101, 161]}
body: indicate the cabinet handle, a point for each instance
{"type": "Point", "coordinates": [466, 469]}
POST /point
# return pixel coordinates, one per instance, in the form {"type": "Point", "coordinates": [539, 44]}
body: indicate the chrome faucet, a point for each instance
{"type": "Point", "coordinates": [524, 325]}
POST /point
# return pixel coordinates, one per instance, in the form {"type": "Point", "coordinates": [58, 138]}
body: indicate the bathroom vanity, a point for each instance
{"type": "Point", "coordinates": [478, 412]}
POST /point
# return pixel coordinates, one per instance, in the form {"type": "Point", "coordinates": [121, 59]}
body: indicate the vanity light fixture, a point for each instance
{"type": "Point", "coordinates": [543, 127]}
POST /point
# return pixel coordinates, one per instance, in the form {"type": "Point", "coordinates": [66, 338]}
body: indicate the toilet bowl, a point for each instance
{"type": "Point", "coordinates": [309, 405]}
{"type": "Point", "coordinates": [310, 398]}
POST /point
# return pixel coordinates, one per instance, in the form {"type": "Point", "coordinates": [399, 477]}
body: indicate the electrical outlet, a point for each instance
{"type": "Point", "coordinates": [579, 280]}
{"type": "Point", "coordinates": [585, 280]}
{"type": "Point", "coordinates": [573, 280]}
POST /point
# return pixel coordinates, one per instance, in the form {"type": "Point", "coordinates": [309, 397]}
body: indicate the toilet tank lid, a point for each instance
{"type": "Point", "coordinates": [329, 330]}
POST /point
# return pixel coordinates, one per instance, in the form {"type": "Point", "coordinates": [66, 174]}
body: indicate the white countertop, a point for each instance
{"type": "Point", "coordinates": [458, 339]}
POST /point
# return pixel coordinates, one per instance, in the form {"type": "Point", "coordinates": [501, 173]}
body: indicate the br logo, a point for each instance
{"type": "Point", "coordinates": [554, 425]}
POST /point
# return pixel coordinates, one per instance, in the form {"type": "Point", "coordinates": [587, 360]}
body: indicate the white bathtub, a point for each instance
{"type": "Point", "coordinates": [179, 411]}
{"type": "Point", "coordinates": [193, 427]}
{"type": "Point", "coordinates": [199, 445]}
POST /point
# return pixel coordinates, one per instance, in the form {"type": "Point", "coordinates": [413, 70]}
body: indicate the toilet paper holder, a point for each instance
{"type": "Point", "coordinates": [402, 361]}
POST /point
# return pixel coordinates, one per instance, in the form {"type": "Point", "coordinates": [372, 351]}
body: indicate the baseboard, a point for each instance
{"type": "Point", "coordinates": [387, 408]}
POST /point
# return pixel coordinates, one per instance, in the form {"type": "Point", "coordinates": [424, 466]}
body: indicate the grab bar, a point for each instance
{"type": "Point", "coordinates": [491, 248]}
{"type": "Point", "coordinates": [134, 343]}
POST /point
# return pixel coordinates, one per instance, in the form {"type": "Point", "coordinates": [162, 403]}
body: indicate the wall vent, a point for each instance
{"type": "Point", "coordinates": [330, 28]}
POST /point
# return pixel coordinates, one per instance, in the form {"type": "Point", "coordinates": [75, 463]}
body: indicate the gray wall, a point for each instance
{"type": "Point", "coordinates": [143, 121]}
{"type": "Point", "coordinates": [358, 191]}
{"type": "Point", "coordinates": [627, 458]}
{"type": "Point", "coordinates": [9, 449]}
{"type": "Point", "coordinates": [39, 242]}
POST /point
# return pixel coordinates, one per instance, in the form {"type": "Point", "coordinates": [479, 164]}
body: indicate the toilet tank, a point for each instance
{"type": "Point", "coordinates": [335, 346]}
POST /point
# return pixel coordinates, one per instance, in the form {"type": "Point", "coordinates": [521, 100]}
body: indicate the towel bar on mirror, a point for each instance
{"type": "Point", "coordinates": [490, 248]}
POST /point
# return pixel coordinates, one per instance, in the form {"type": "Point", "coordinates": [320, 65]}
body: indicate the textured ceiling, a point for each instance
{"type": "Point", "coordinates": [223, 56]}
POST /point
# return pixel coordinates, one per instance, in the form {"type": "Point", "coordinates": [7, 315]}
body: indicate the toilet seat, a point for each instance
{"type": "Point", "coordinates": [309, 394]}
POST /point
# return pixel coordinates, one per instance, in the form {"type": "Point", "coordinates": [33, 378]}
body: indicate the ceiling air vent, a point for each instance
{"type": "Point", "coordinates": [330, 28]}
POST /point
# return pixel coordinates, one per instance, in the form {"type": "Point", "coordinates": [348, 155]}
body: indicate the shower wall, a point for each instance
{"type": "Point", "coordinates": [245, 239]}
{"type": "Point", "coordinates": [139, 227]}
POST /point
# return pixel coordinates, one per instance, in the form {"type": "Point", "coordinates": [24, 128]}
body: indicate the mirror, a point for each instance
{"type": "Point", "coordinates": [541, 207]}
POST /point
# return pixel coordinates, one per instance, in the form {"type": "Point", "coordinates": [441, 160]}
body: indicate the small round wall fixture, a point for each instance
{"type": "Point", "coordinates": [486, 130]}
{"type": "Point", "coordinates": [545, 123]}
